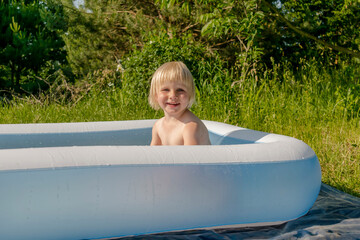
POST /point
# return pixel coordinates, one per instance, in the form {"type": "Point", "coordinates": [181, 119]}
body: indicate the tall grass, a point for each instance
{"type": "Point", "coordinates": [314, 106]}
{"type": "Point", "coordinates": [317, 106]}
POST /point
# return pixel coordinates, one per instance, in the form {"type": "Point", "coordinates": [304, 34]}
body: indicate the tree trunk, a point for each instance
{"type": "Point", "coordinates": [12, 79]}
{"type": "Point", "coordinates": [17, 78]}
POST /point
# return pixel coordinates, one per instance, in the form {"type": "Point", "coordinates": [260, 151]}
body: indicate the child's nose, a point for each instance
{"type": "Point", "coordinates": [173, 94]}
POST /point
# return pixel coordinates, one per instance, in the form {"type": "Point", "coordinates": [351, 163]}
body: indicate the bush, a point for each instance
{"type": "Point", "coordinates": [139, 66]}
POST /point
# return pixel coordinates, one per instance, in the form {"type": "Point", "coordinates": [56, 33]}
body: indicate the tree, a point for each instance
{"type": "Point", "coordinates": [27, 42]}
{"type": "Point", "coordinates": [247, 34]}
{"type": "Point", "coordinates": [326, 30]}
{"type": "Point", "coordinates": [100, 32]}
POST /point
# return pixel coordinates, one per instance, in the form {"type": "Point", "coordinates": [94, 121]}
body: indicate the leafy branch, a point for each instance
{"type": "Point", "coordinates": [307, 35]}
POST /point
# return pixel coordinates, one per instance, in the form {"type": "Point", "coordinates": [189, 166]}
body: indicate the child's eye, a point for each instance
{"type": "Point", "coordinates": [165, 90]}
{"type": "Point", "coordinates": [181, 90]}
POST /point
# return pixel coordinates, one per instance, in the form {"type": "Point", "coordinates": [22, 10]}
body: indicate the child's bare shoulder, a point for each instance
{"type": "Point", "coordinates": [195, 126]}
{"type": "Point", "coordinates": [158, 123]}
{"type": "Point", "coordinates": [195, 131]}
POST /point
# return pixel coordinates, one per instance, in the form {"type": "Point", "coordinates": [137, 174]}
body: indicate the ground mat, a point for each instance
{"type": "Point", "coordinates": [335, 215]}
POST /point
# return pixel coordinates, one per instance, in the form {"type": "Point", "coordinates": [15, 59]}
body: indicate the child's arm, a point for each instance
{"type": "Point", "coordinates": [155, 140]}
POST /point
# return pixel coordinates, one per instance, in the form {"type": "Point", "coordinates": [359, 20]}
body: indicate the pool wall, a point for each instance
{"type": "Point", "coordinates": [71, 190]}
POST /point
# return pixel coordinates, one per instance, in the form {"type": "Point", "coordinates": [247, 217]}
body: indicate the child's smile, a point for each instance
{"type": "Point", "coordinates": [173, 104]}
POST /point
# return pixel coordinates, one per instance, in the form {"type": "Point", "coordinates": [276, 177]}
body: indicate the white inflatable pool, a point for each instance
{"type": "Point", "coordinates": [102, 179]}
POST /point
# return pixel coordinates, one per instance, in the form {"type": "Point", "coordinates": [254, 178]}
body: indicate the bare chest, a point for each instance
{"type": "Point", "coordinates": [171, 136]}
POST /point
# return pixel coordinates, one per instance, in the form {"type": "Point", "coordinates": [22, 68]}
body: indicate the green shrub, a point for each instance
{"type": "Point", "coordinates": [207, 68]}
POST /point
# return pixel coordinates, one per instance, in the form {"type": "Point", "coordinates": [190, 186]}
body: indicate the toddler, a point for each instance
{"type": "Point", "coordinates": [173, 90]}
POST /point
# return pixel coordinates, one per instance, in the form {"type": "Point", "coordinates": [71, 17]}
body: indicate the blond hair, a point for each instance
{"type": "Point", "coordinates": [171, 72]}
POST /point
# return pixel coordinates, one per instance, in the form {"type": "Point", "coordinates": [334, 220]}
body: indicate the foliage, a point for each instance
{"type": "Point", "coordinates": [27, 43]}
{"type": "Point", "coordinates": [101, 32]}
{"type": "Point", "coordinates": [140, 65]}
{"type": "Point", "coordinates": [116, 28]}
{"type": "Point", "coordinates": [236, 27]}
{"type": "Point", "coordinates": [245, 33]}
{"type": "Point", "coordinates": [335, 22]}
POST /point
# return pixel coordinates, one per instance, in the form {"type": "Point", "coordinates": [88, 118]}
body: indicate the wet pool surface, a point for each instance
{"type": "Point", "coordinates": [335, 215]}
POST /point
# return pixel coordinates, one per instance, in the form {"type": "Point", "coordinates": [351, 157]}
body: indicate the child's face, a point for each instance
{"type": "Point", "coordinates": [173, 98]}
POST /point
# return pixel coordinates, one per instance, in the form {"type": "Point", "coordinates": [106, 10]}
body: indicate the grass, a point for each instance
{"type": "Point", "coordinates": [314, 106]}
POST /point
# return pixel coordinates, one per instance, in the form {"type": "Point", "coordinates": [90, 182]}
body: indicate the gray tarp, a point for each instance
{"type": "Point", "coordinates": [335, 215]}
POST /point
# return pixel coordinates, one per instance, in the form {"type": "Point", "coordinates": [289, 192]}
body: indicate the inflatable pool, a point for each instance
{"type": "Point", "coordinates": [102, 179]}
